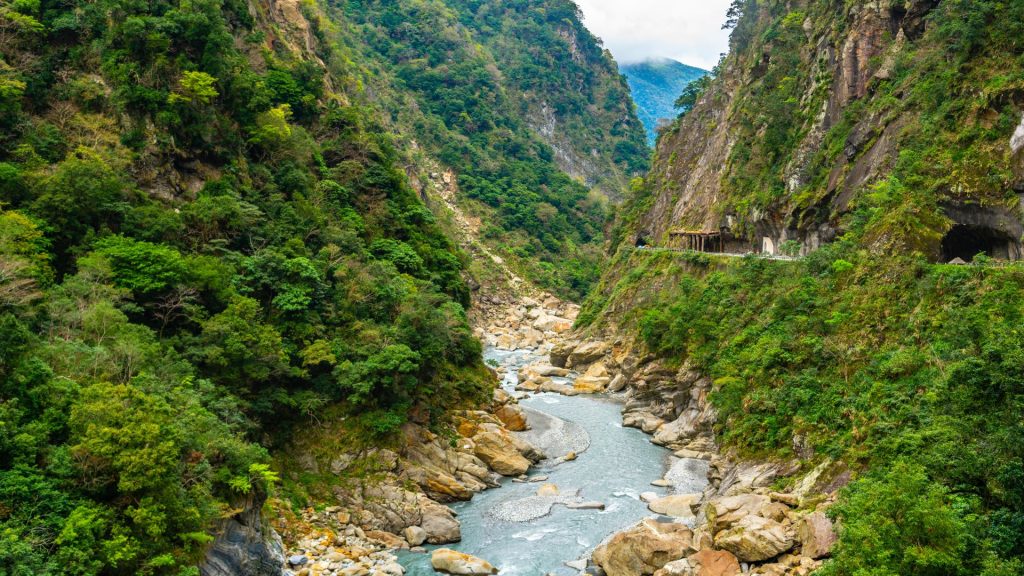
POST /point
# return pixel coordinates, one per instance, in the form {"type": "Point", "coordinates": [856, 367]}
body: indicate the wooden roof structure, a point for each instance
{"type": "Point", "coordinates": [700, 240]}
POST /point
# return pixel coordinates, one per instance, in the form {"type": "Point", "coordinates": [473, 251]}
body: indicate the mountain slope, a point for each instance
{"type": "Point", "coordinates": [215, 233]}
{"type": "Point", "coordinates": [509, 122]}
{"type": "Point", "coordinates": [879, 141]}
{"type": "Point", "coordinates": [813, 107]}
{"type": "Point", "coordinates": [656, 85]}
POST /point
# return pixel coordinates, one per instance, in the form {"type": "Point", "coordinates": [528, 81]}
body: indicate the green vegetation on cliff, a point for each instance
{"type": "Point", "coordinates": [887, 123]}
{"type": "Point", "coordinates": [207, 238]}
{"type": "Point", "coordinates": [909, 373]}
{"type": "Point", "coordinates": [824, 99]}
{"type": "Point", "coordinates": [516, 97]}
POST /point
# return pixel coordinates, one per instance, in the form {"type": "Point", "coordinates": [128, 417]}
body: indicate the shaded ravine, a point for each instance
{"type": "Point", "coordinates": [527, 535]}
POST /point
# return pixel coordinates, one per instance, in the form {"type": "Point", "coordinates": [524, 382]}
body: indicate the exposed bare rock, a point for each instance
{"type": "Point", "coordinates": [414, 535]}
{"type": "Point", "coordinates": [245, 546]}
{"type": "Point", "coordinates": [703, 563]}
{"type": "Point", "coordinates": [511, 415]}
{"type": "Point", "coordinates": [499, 452]}
{"type": "Point", "coordinates": [723, 512]}
{"type": "Point", "coordinates": [816, 535]}
{"type": "Point", "coordinates": [679, 505]}
{"type": "Point", "coordinates": [755, 539]}
{"type": "Point", "coordinates": [438, 522]}
{"type": "Point", "coordinates": [643, 549]}
{"type": "Point", "coordinates": [732, 477]}
{"type": "Point", "coordinates": [587, 353]}
{"type": "Point", "coordinates": [452, 562]}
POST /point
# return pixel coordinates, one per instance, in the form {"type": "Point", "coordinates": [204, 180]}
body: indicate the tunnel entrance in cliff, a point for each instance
{"type": "Point", "coordinates": [965, 241]}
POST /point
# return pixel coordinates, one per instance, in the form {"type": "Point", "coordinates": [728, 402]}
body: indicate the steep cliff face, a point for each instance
{"type": "Point", "coordinates": [818, 102]}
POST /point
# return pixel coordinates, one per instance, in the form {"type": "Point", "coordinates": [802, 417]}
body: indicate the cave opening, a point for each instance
{"type": "Point", "coordinates": [896, 15]}
{"type": "Point", "coordinates": [965, 242]}
{"type": "Point", "coordinates": [641, 241]}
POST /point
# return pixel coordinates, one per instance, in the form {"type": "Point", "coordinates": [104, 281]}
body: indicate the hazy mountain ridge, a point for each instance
{"type": "Point", "coordinates": [656, 84]}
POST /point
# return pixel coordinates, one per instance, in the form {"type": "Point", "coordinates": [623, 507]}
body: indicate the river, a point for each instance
{"type": "Point", "coordinates": [614, 466]}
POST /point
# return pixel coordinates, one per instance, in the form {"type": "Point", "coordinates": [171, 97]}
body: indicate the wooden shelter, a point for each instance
{"type": "Point", "coordinates": [699, 240]}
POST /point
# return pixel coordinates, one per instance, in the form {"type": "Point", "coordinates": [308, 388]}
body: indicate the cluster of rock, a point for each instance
{"type": "Point", "coordinates": [513, 323]}
{"type": "Point", "coordinates": [394, 499]}
{"type": "Point", "coordinates": [737, 524]}
{"type": "Point", "coordinates": [330, 544]}
{"type": "Point", "coordinates": [742, 527]}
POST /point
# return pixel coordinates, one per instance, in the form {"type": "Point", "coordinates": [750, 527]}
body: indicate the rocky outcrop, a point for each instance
{"type": "Point", "coordinates": [677, 505]}
{"type": "Point", "coordinates": [703, 563]}
{"type": "Point", "coordinates": [839, 66]}
{"type": "Point", "coordinates": [816, 534]}
{"type": "Point", "coordinates": [754, 539]}
{"type": "Point", "coordinates": [329, 544]}
{"type": "Point", "coordinates": [452, 562]}
{"type": "Point", "coordinates": [739, 517]}
{"type": "Point", "coordinates": [499, 451]}
{"type": "Point", "coordinates": [512, 322]}
{"type": "Point", "coordinates": [244, 545]}
{"type": "Point", "coordinates": [723, 512]}
{"type": "Point", "coordinates": [643, 549]}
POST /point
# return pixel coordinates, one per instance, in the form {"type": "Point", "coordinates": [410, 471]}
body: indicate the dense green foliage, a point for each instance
{"type": "Point", "coordinates": [656, 86]}
{"type": "Point", "coordinates": [447, 56]}
{"type": "Point", "coordinates": [202, 244]}
{"type": "Point", "coordinates": [909, 371]}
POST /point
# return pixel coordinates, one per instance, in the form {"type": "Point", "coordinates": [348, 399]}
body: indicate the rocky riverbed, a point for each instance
{"type": "Point", "coordinates": [590, 485]}
{"type": "Point", "coordinates": [604, 460]}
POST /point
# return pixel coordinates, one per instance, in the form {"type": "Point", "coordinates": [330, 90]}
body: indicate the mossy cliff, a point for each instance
{"type": "Point", "coordinates": [818, 103]}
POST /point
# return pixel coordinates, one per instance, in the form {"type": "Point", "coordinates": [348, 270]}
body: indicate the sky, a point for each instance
{"type": "Point", "coordinates": [689, 31]}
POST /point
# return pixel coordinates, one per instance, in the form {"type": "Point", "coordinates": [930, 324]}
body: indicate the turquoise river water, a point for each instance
{"type": "Point", "coordinates": [619, 464]}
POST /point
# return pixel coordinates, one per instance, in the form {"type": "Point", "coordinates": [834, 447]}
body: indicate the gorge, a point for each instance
{"type": "Point", "coordinates": [386, 287]}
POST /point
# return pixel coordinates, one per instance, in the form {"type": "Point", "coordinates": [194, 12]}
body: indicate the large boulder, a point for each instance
{"type": "Point", "coordinates": [452, 562]}
{"type": "Point", "coordinates": [438, 523]}
{"type": "Point", "coordinates": [725, 511]}
{"type": "Point", "coordinates": [643, 420]}
{"type": "Point", "coordinates": [511, 415]}
{"type": "Point", "coordinates": [559, 355]}
{"type": "Point", "coordinates": [703, 563]}
{"type": "Point", "coordinates": [587, 353]}
{"type": "Point", "coordinates": [414, 535]}
{"type": "Point", "coordinates": [643, 549]}
{"type": "Point", "coordinates": [677, 505]}
{"type": "Point", "coordinates": [549, 323]}
{"type": "Point", "coordinates": [591, 384]}
{"type": "Point", "coordinates": [755, 539]}
{"type": "Point", "coordinates": [816, 535]}
{"type": "Point", "coordinates": [499, 452]}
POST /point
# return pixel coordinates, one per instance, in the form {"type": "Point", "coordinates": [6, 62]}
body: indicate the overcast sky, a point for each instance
{"type": "Point", "coordinates": [689, 31]}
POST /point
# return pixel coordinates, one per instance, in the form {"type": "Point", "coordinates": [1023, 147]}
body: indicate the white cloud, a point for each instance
{"type": "Point", "coordinates": [689, 31]}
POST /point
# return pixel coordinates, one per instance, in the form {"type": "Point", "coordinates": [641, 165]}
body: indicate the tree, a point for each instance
{"type": "Point", "coordinates": [196, 87]}
{"type": "Point", "coordinates": [240, 348]}
{"type": "Point", "coordinates": [142, 267]}
{"type": "Point", "coordinates": [897, 522]}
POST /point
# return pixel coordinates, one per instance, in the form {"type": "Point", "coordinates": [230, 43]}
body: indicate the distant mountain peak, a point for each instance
{"type": "Point", "coordinates": [656, 83]}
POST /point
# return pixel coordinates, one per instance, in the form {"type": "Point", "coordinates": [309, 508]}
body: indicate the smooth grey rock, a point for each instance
{"type": "Point", "coordinates": [244, 546]}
